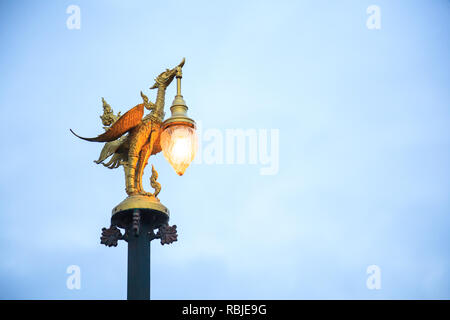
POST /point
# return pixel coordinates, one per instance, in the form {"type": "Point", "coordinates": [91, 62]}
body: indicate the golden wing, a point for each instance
{"type": "Point", "coordinates": [125, 123]}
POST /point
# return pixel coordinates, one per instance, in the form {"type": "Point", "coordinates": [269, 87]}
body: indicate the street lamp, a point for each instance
{"type": "Point", "coordinates": [130, 139]}
{"type": "Point", "coordinates": [179, 139]}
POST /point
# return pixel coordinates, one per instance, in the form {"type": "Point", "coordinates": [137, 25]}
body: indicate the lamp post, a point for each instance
{"type": "Point", "coordinates": [130, 139]}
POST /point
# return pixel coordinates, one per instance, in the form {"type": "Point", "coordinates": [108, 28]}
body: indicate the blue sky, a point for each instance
{"type": "Point", "coordinates": [363, 120]}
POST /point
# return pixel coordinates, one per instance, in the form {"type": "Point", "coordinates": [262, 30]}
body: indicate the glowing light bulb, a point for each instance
{"type": "Point", "coordinates": [179, 146]}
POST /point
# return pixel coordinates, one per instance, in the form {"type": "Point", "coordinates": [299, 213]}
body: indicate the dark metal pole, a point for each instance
{"type": "Point", "coordinates": [139, 225]}
{"type": "Point", "coordinates": [139, 258]}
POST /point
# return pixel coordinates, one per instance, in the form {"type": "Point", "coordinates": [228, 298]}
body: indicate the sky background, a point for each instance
{"type": "Point", "coordinates": [363, 119]}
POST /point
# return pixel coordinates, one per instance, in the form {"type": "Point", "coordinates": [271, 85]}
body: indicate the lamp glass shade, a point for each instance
{"type": "Point", "coordinates": [179, 145]}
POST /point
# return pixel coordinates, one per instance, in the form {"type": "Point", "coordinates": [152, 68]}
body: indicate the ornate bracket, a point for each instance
{"type": "Point", "coordinates": [166, 233]}
{"type": "Point", "coordinates": [110, 237]}
{"type": "Point", "coordinates": [136, 222]}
